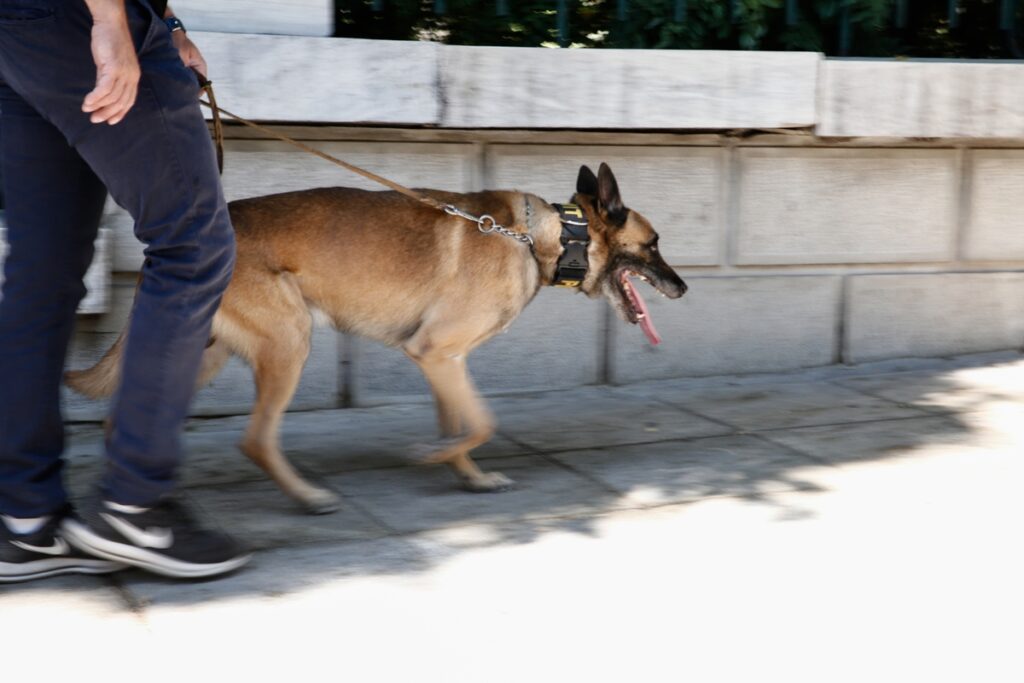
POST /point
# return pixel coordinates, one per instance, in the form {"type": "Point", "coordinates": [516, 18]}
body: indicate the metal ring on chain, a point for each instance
{"type": "Point", "coordinates": [487, 224]}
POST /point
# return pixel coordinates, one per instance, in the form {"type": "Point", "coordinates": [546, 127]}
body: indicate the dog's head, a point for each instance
{"type": "Point", "coordinates": [623, 245]}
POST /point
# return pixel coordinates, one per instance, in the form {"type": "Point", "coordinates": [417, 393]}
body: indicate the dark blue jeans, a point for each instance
{"type": "Point", "coordinates": [158, 163]}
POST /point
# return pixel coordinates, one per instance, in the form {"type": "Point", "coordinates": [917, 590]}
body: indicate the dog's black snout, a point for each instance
{"type": "Point", "coordinates": [676, 286]}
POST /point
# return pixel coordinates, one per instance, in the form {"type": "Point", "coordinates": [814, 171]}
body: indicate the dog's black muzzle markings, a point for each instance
{"type": "Point", "coordinates": [657, 274]}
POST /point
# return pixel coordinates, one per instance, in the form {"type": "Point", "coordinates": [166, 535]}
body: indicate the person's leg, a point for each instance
{"type": "Point", "coordinates": [159, 164]}
{"type": "Point", "coordinates": [53, 206]}
{"type": "Point", "coordinates": [51, 245]}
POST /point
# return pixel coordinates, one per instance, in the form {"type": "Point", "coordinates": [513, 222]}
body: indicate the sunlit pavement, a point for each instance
{"type": "Point", "coordinates": [840, 524]}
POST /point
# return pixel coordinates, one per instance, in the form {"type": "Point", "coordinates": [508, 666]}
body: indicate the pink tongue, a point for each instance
{"type": "Point", "coordinates": [645, 316]}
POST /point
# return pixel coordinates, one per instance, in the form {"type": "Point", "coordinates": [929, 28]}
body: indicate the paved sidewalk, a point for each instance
{"type": "Point", "coordinates": [841, 524]}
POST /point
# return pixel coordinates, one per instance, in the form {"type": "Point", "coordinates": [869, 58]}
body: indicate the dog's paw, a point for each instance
{"type": "Point", "coordinates": [321, 503]}
{"type": "Point", "coordinates": [491, 482]}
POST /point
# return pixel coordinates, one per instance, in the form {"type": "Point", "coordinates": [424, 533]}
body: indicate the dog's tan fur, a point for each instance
{"type": "Point", "coordinates": [381, 265]}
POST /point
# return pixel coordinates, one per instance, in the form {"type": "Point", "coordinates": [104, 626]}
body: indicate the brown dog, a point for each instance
{"type": "Point", "coordinates": [381, 265]}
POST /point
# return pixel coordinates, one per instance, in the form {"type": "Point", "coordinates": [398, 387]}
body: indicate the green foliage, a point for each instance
{"type": "Point", "coordinates": [853, 27]}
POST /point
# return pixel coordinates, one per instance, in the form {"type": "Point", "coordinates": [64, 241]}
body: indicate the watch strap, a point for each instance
{"type": "Point", "coordinates": [174, 24]}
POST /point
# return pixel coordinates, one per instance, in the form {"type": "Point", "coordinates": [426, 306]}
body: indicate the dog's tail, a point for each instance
{"type": "Point", "coordinates": [102, 379]}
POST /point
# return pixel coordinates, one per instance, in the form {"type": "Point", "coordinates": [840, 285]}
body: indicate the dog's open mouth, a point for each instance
{"type": "Point", "coordinates": [638, 312]}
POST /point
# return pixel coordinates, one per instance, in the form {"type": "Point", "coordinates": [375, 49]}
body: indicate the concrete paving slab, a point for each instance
{"type": "Point", "coordinates": [414, 499]}
{"type": "Point", "coordinates": [592, 417]}
{"type": "Point", "coordinates": [680, 471]}
{"type": "Point", "coordinates": [956, 389]}
{"type": "Point", "coordinates": [261, 516]}
{"type": "Point", "coordinates": [934, 392]}
{"type": "Point", "coordinates": [873, 441]}
{"type": "Point", "coordinates": [350, 439]}
{"type": "Point", "coordinates": [219, 469]}
{"type": "Point", "coordinates": [787, 405]}
{"type": "Point", "coordinates": [212, 458]}
{"type": "Point", "coordinates": [987, 358]}
{"type": "Point", "coordinates": [1004, 380]}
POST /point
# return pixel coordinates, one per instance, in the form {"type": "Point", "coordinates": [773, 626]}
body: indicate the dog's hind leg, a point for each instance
{"type": "Point", "coordinates": [277, 371]}
{"type": "Point", "coordinates": [459, 403]}
{"type": "Point", "coordinates": [277, 351]}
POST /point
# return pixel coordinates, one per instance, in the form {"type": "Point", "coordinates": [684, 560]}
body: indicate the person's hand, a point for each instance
{"type": "Point", "coordinates": [117, 70]}
{"type": "Point", "coordinates": [188, 52]}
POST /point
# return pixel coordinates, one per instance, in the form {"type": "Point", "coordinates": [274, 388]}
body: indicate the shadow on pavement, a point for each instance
{"type": "Point", "coordinates": [576, 456]}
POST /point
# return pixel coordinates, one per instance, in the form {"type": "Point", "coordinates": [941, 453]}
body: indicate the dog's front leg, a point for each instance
{"type": "Point", "coordinates": [459, 404]}
{"type": "Point", "coordinates": [449, 421]}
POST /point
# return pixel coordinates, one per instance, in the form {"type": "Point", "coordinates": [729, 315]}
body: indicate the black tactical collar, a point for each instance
{"type": "Point", "coordinates": [572, 264]}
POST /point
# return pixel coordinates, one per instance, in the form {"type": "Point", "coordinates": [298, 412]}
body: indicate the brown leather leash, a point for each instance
{"type": "Point", "coordinates": [218, 135]}
{"type": "Point", "coordinates": [218, 127]}
{"type": "Point", "coordinates": [485, 222]}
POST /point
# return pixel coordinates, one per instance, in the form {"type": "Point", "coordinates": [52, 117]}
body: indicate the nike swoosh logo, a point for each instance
{"type": "Point", "coordinates": [153, 537]}
{"type": "Point", "coordinates": [58, 547]}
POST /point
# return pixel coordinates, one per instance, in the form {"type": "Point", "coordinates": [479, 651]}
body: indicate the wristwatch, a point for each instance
{"type": "Point", "coordinates": [174, 24]}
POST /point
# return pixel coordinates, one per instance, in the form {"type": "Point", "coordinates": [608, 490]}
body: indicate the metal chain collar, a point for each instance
{"type": "Point", "coordinates": [486, 224]}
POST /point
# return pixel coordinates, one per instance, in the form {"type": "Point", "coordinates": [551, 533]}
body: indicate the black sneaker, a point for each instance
{"type": "Point", "coordinates": [45, 553]}
{"type": "Point", "coordinates": [163, 539]}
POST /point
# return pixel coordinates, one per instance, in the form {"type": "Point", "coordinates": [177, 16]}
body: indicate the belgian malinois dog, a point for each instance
{"type": "Point", "coordinates": [381, 265]}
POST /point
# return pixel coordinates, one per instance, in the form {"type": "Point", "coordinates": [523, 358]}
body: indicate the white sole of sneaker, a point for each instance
{"type": "Point", "coordinates": [83, 538]}
{"type": "Point", "coordinates": [56, 566]}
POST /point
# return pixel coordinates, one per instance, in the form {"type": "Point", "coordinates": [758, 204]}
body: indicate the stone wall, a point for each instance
{"type": "Point", "coordinates": [797, 253]}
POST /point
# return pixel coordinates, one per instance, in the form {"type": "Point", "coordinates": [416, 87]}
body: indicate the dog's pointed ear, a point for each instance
{"type": "Point", "coordinates": [586, 182]}
{"type": "Point", "coordinates": [608, 196]}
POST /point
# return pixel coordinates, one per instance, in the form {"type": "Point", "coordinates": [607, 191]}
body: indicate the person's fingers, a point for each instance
{"type": "Point", "coordinates": [126, 103]}
{"type": "Point", "coordinates": [108, 107]}
{"type": "Point", "coordinates": [115, 108]}
{"type": "Point", "coordinates": [107, 114]}
{"type": "Point", "coordinates": [105, 92]}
